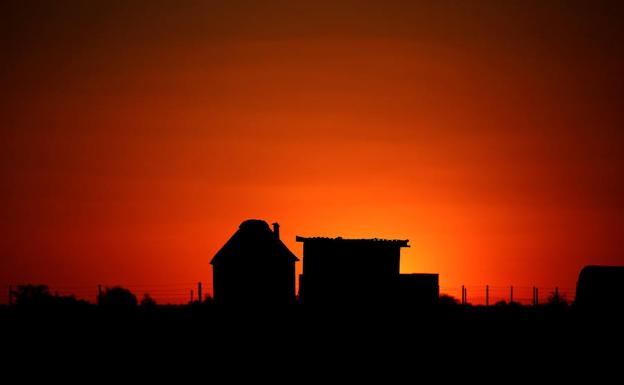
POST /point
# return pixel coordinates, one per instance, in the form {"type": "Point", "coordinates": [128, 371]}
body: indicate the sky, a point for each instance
{"type": "Point", "coordinates": [135, 136]}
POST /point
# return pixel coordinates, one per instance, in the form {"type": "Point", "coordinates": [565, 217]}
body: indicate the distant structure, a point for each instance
{"type": "Point", "coordinates": [360, 271]}
{"type": "Point", "coordinates": [418, 289]}
{"type": "Point", "coordinates": [254, 267]}
{"type": "Point", "coordinates": [600, 288]}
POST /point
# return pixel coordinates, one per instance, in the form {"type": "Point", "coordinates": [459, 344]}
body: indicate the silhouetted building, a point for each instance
{"type": "Point", "coordinates": [359, 271]}
{"type": "Point", "coordinates": [418, 289]}
{"type": "Point", "coordinates": [600, 288]}
{"type": "Point", "coordinates": [254, 267]}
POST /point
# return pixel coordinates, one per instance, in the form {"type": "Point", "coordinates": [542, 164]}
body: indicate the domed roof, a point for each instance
{"type": "Point", "coordinates": [254, 225]}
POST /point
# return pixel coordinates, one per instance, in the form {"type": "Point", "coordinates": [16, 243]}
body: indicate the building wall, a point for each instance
{"type": "Point", "coordinates": [345, 271]}
{"type": "Point", "coordinates": [418, 289]}
{"type": "Point", "coordinates": [243, 280]}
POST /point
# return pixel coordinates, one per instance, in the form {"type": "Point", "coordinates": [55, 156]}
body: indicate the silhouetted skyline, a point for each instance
{"type": "Point", "coordinates": [134, 134]}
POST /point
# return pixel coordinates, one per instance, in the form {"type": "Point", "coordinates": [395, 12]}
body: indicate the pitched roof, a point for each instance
{"type": "Point", "coordinates": [253, 236]}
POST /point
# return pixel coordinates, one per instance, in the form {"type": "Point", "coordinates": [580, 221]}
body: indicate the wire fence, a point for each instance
{"type": "Point", "coordinates": [172, 293]}
{"type": "Point", "coordinates": [525, 295]}
{"type": "Point", "coordinates": [185, 292]}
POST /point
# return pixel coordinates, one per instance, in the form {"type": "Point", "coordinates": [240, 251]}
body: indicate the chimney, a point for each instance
{"type": "Point", "coordinates": [276, 230]}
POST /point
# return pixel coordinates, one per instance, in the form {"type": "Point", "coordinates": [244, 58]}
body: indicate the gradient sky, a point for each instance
{"type": "Point", "coordinates": [135, 136]}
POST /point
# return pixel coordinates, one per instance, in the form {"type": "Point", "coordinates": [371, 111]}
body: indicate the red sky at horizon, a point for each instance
{"type": "Point", "coordinates": [136, 136]}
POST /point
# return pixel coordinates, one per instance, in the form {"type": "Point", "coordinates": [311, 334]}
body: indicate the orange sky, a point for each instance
{"type": "Point", "coordinates": [136, 135]}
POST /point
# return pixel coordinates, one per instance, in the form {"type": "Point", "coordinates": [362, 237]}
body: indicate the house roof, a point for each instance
{"type": "Point", "coordinates": [253, 236]}
{"type": "Point", "coordinates": [395, 242]}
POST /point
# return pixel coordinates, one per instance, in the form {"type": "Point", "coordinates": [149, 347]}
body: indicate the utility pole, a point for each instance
{"type": "Point", "coordinates": [199, 292]}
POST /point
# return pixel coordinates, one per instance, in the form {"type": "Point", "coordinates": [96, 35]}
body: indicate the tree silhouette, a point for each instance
{"type": "Point", "coordinates": [118, 298]}
{"type": "Point", "coordinates": [33, 295]}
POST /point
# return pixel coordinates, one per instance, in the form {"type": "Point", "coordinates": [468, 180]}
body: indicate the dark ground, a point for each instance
{"type": "Point", "coordinates": [307, 343]}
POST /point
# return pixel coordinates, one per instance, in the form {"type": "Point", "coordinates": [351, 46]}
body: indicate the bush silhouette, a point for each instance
{"type": "Point", "coordinates": [118, 298]}
{"type": "Point", "coordinates": [556, 300]}
{"type": "Point", "coordinates": [148, 302]}
{"type": "Point", "coordinates": [33, 295]}
{"type": "Point", "coordinates": [39, 296]}
{"type": "Point", "coordinates": [446, 300]}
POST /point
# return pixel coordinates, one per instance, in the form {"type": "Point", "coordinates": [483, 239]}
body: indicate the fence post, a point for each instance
{"type": "Point", "coordinates": [536, 296]}
{"type": "Point", "coordinates": [487, 295]}
{"type": "Point", "coordinates": [10, 295]}
{"type": "Point", "coordinates": [199, 292]}
{"type": "Point", "coordinates": [511, 294]}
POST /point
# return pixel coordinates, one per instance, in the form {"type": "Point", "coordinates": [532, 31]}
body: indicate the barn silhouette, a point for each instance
{"type": "Point", "coordinates": [256, 267]}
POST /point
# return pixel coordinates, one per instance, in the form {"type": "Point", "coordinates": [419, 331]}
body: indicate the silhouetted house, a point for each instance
{"type": "Point", "coordinates": [359, 271]}
{"type": "Point", "coordinates": [600, 288]}
{"type": "Point", "coordinates": [254, 267]}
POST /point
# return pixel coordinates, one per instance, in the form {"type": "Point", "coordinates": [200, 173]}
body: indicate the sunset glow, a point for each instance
{"type": "Point", "coordinates": [136, 137]}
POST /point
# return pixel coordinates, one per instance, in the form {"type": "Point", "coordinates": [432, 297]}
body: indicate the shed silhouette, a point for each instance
{"type": "Point", "coordinates": [600, 288]}
{"type": "Point", "coordinates": [254, 267]}
{"type": "Point", "coordinates": [349, 271]}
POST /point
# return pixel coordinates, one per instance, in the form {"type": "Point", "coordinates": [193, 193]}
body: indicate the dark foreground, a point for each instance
{"type": "Point", "coordinates": [312, 342]}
